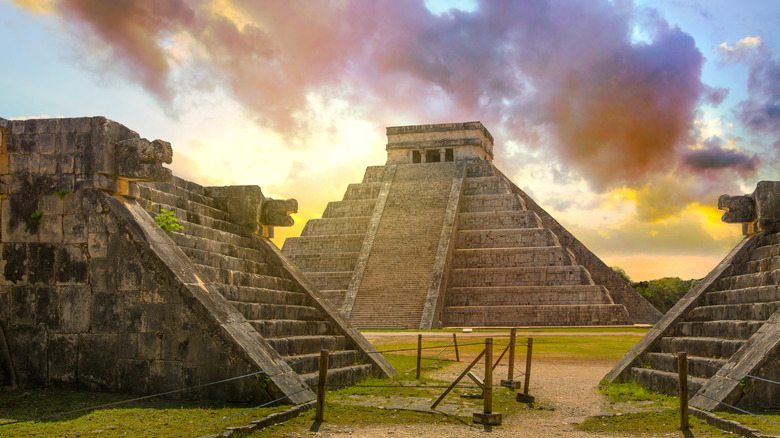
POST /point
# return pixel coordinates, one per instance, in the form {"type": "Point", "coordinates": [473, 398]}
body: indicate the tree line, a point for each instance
{"type": "Point", "coordinates": [662, 293]}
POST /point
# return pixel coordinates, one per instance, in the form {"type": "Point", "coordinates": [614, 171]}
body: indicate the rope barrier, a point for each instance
{"type": "Point", "coordinates": [108, 405]}
{"type": "Point", "coordinates": [738, 409]}
{"type": "Point", "coordinates": [741, 374]}
{"type": "Point", "coordinates": [245, 411]}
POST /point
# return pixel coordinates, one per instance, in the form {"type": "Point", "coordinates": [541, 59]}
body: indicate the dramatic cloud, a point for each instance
{"type": "Point", "coordinates": [565, 72]}
{"type": "Point", "coordinates": [761, 112]}
{"type": "Point", "coordinates": [745, 49]}
{"type": "Point", "coordinates": [714, 156]}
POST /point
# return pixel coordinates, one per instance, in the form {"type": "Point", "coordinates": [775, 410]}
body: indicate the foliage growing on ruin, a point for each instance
{"type": "Point", "coordinates": [35, 218]}
{"type": "Point", "coordinates": [167, 221]}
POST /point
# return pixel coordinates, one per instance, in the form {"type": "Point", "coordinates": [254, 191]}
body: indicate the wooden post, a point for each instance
{"type": "Point", "coordinates": [511, 373]}
{"type": "Point", "coordinates": [487, 393]}
{"type": "Point", "coordinates": [682, 377]}
{"type": "Point", "coordinates": [487, 416]}
{"type": "Point", "coordinates": [455, 340]}
{"type": "Point", "coordinates": [528, 365]}
{"type": "Point", "coordinates": [419, 355]}
{"type": "Point", "coordinates": [321, 385]}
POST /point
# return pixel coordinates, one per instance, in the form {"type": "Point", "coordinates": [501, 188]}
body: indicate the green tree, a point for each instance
{"type": "Point", "coordinates": [664, 293]}
{"type": "Point", "coordinates": [621, 273]}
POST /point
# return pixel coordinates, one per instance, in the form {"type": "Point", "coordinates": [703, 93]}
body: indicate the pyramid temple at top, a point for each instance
{"type": "Point", "coordinates": [438, 236]}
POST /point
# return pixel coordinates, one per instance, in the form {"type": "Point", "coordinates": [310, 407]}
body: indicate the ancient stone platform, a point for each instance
{"type": "Point", "coordinates": [94, 294]}
{"type": "Point", "coordinates": [440, 237]}
{"type": "Point", "coordinates": [728, 324]}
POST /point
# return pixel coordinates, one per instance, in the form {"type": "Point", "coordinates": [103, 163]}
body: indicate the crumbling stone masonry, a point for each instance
{"type": "Point", "coordinates": [729, 324]}
{"type": "Point", "coordinates": [439, 236]}
{"type": "Point", "coordinates": [94, 294]}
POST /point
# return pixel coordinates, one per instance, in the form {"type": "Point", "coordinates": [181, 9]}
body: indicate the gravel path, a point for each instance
{"type": "Point", "coordinates": [565, 389]}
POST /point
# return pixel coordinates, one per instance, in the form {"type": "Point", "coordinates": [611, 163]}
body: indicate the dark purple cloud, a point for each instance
{"type": "Point", "coordinates": [714, 157]}
{"type": "Point", "coordinates": [761, 111]}
{"type": "Point", "coordinates": [567, 72]}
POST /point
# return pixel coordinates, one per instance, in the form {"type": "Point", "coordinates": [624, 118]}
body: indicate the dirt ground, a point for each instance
{"type": "Point", "coordinates": [565, 389]}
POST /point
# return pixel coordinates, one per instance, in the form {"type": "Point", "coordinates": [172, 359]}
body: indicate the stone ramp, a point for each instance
{"type": "Point", "coordinates": [398, 272]}
{"type": "Point", "coordinates": [328, 248]}
{"type": "Point", "coordinates": [507, 270]}
{"type": "Point", "coordinates": [729, 322]}
{"type": "Point", "coordinates": [244, 269]}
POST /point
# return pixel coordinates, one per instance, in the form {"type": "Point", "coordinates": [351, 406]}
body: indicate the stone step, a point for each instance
{"type": "Point", "coordinates": [512, 257]}
{"type": "Point", "coordinates": [341, 377]}
{"type": "Point", "coordinates": [357, 208]}
{"type": "Point", "coordinates": [263, 296]}
{"type": "Point", "coordinates": [323, 244]}
{"type": "Point", "coordinates": [498, 220]}
{"type": "Point", "coordinates": [718, 329]}
{"type": "Point", "coordinates": [228, 244]}
{"type": "Point", "coordinates": [664, 381]}
{"type": "Point", "coordinates": [513, 316]}
{"type": "Point", "coordinates": [310, 363]}
{"type": "Point", "coordinates": [763, 264]}
{"type": "Point", "coordinates": [340, 225]}
{"type": "Point", "coordinates": [699, 346]}
{"type": "Point", "coordinates": [497, 202]}
{"type": "Point", "coordinates": [764, 252]}
{"type": "Point", "coordinates": [527, 295]}
{"type": "Point", "coordinates": [336, 297]}
{"type": "Point", "coordinates": [325, 262]}
{"type": "Point", "coordinates": [338, 280]}
{"type": "Point", "coordinates": [479, 169]}
{"type": "Point", "coordinates": [178, 188]}
{"type": "Point", "coordinates": [751, 312]}
{"type": "Point", "coordinates": [239, 278]}
{"type": "Point", "coordinates": [374, 174]}
{"type": "Point", "coordinates": [280, 328]}
{"type": "Point", "coordinates": [298, 345]}
{"type": "Point", "coordinates": [513, 238]}
{"type": "Point", "coordinates": [770, 239]}
{"type": "Point", "coordinates": [703, 367]}
{"type": "Point", "coordinates": [219, 261]}
{"type": "Point", "coordinates": [744, 281]}
{"type": "Point", "coordinates": [484, 185]}
{"type": "Point", "coordinates": [151, 200]}
{"type": "Point", "coordinates": [253, 311]}
{"type": "Point", "coordinates": [759, 294]}
{"type": "Point", "coordinates": [362, 191]}
{"type": "Point", "coordinates": [533, 276]}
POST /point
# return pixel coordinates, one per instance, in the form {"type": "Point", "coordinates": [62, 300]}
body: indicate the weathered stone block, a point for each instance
{"type": "Point", "coordinates": [128, 341]}
{"type": "Point", "coordinates": [50, 229]}
{"type": "Point", "coordinates": [47, 164]}
{"type": "Point", "coordinates": [102, 275]}
{"type": "Point", "coordinates": [75, 305]}
{"type": "Point", "coordinates": [163, 318]}
{"type": "Point", "coordinates": [22, 306]}
{"type": "Point", "coordinates": [71, 264]}
{"type": "Point", "coordinates": [133, 376]}
{"type": "Point", "coordinates": [149, 346]}
{"type": "Point", "coordinates": [129, 275]}
{"type": "Point", "coordinates": [106, 314]}
{"type": "Point", "coordinates": [97, 360]}
{"type": "Point", "coordinates": [30, 367]}
{"type": "Point", "coordinates": [63, 143]}
{"type": "Point", "coordinates": [74, 229]}
{"type": "Point", "coordinates": [47, 307]}
{"type": "Point", "coordinates": [62, 358]}
{"type": "Point", "coordinates": [166, 376]}
{"type": "Point", "coordinates": [64, 163]}
{"type": "Point", "coordinates": [15, 262]}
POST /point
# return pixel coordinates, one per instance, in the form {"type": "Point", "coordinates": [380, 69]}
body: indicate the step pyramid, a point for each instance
{"type": "Point", "coordinates": [94, 294]}
{"type": "Point", "coordinates": [728, 324]}
{"type": "Point", "coordinates": [440, 237]}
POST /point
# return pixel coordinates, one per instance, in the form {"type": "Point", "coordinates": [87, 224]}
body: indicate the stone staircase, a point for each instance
{"type": "Point", "coordinates": [507, 270]}
{"type": "Point", "coordinates": [729, 313]}
{"type": "Point", "coordinates": [328, 248]}
{"type": "Point", "coordinates": [264, 292]}
{"type": "Point", "coordinates": [398, 273]}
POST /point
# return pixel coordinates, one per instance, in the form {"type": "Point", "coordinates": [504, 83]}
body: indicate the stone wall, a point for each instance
{"type": "Point", "coordinates": [84, 300]}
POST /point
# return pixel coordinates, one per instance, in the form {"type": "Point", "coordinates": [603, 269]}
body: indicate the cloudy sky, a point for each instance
{"type": "Point", "coordinates": [625, 120]}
